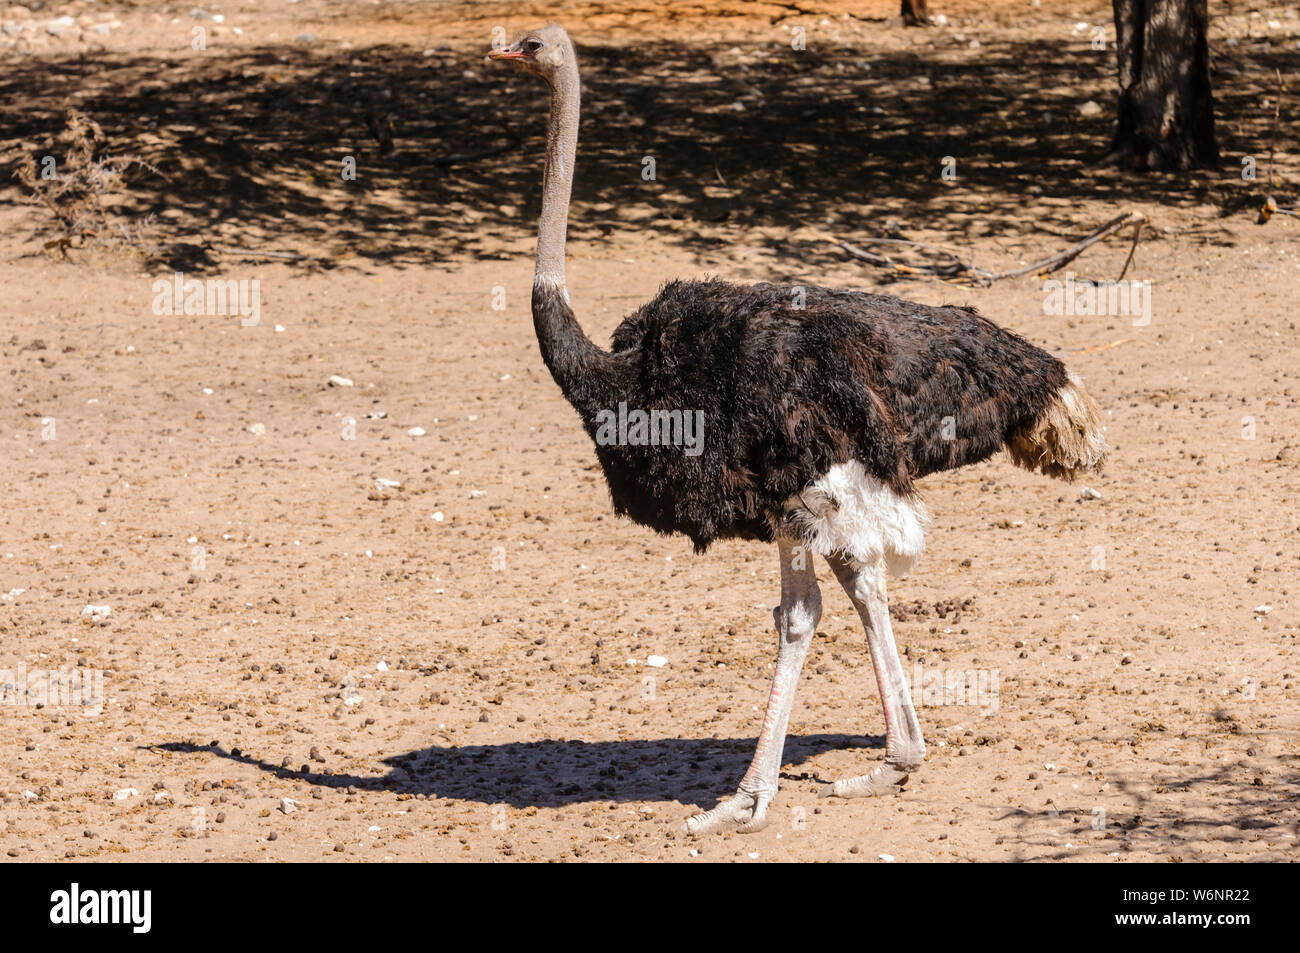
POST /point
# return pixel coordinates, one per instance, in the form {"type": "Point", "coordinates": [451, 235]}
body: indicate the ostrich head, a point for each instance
{"type": "Point", "coordinates": [543, 52]}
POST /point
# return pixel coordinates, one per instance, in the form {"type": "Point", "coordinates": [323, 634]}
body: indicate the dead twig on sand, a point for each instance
{"type": "Point", "coordinates": [1137, 234]}
{"type": "Point", "coordinates": [1100, 347]}
{"type": "Point", "coordinates": [957, 267]}
{"type": "Point", "coordinates": [967, 270]}
{"type": "Point", "coordinates": [1062, 258]}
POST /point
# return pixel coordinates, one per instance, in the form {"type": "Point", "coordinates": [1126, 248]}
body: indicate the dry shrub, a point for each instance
{"type": "Point", "coordinates": [74, 194]}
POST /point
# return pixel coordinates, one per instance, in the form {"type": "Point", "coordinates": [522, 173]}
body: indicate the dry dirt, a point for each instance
{"type": "Point", "coordinates": [456, 668]}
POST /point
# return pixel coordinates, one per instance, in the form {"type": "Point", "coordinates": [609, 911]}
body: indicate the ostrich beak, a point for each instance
{"type": "Point", "coordinates": [508, 55]}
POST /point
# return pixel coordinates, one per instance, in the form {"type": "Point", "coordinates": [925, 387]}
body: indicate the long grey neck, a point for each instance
{"type": "Point", "coordinates": [590, 378]}
{"type": "Point", "coordinates": [557, 181]}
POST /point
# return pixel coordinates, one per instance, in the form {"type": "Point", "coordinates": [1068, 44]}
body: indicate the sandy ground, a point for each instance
{"type": "Point", "coordinates": [456, 667]}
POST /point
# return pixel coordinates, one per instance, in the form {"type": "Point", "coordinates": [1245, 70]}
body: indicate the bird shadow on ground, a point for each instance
{"type": "Point", "coordinates": [250, 145]}
{"type": "Point", "coordinates": [556, 773]}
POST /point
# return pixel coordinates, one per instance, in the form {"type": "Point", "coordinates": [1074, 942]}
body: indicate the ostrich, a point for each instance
{"type": "Point", "coordinates": [822, 408]}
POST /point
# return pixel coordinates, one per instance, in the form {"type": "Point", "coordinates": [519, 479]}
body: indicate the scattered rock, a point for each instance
{"type": "Point", "coordinates": [60, 26]}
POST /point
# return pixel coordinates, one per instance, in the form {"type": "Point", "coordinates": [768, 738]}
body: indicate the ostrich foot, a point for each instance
{"type": "Point", "coordinates": [886, 779]}
{"type": "Point", "coordinates": [742, 812]}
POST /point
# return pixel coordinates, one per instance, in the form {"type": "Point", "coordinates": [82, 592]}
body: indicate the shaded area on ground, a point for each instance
{"type": "Point", "coordinates": [251, 143]}
{"type": "Point", "coordinates": [1250, 805]}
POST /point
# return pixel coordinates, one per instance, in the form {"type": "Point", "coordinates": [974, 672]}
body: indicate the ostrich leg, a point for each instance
{"type": "Point", "coordinates": [796, 622]}
{"type": "Point", "coordinates": [904, 746]}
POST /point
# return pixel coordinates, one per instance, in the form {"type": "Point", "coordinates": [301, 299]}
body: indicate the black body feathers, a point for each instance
{"type": "Point", "coordinates": [790, 381]}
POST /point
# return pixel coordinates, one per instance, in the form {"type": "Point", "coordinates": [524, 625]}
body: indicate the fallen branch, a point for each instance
{"type": "Point", "coordinates": [968, 270]}
{"type": "Point", "coordinates": [1137, 234]}
{"type": "Point", "coordinates": [1063, 258]}
{"type": "Point", "coordinates": [958, 268]}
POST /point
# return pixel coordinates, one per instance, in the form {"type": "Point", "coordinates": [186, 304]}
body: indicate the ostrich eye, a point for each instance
{"type": "Point", "coordinates": [532, 47]}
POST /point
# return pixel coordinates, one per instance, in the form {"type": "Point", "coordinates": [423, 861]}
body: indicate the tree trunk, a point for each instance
{"type": "Point", "coordinates": [1166, 107]}
{"type": "Point", "coordinates": [914, 13]}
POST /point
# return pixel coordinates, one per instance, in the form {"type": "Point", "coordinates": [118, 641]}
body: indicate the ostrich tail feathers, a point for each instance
{"type": "Point", "coordinates": [1066, 440]}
